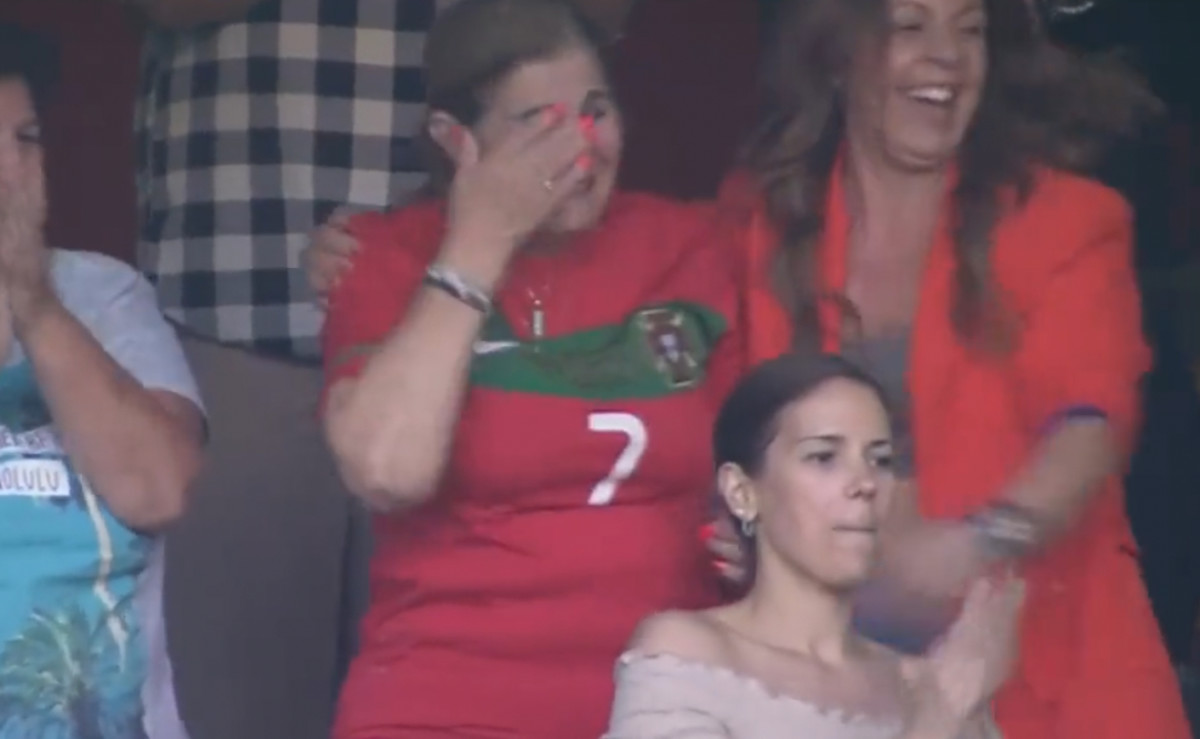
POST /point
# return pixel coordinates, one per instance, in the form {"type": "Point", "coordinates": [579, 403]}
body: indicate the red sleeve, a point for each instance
{"type": "Point", "coordinates": [368, 302]}
{"type": "Point", "coordinates": [1082, 345]}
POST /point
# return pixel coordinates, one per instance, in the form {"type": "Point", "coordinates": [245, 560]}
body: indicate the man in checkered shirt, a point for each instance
{"type": "Point", "coordinates": [256, 118]}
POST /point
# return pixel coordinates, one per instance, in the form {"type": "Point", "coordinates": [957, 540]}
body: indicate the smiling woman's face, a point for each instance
{"type": "Point", "coordinates": [912, 98]}
{"type": "Point", "coordinates": [825, 484]}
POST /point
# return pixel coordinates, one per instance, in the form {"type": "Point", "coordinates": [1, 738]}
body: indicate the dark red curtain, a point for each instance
{"type": "Point", "coordinates": [687, 73]}
{"type": "Point", "coordinates": [88, 128]}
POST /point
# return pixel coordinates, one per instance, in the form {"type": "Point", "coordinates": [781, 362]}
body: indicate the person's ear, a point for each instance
{"type": "Point", "coordinates": [452, 137]}
{"type": "Point", "coordinates": [738, 492]}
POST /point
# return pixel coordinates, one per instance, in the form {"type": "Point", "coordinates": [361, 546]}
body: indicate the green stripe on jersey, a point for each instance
{"type": "Point", "coordinates": [658, 350]}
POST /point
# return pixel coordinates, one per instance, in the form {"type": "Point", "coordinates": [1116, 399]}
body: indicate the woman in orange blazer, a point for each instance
{"type": "Point", "coordinates": [911, 206]}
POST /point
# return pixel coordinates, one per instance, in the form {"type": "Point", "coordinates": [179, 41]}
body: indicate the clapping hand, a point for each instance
{"type": "Point", "coordinates": [924, 571]}
{"type": "Point", "coordinates": [963, 671]}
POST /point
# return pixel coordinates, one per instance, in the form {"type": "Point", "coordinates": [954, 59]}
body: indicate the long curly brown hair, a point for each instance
{"type": "Point", "coordinates": [1041, 106]}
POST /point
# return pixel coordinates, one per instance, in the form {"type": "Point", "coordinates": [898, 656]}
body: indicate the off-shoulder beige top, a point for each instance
{"type": "Point", "coordinates": [661, 696]}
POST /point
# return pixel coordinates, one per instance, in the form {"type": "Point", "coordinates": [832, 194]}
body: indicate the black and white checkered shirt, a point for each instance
{"type": "Point", "coordinates": [251, 132]}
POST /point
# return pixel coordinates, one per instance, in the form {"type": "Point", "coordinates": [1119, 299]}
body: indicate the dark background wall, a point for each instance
{"type": "Point", "coordinates": [90, 149]}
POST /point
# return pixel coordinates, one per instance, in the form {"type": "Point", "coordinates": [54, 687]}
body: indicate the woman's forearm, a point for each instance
{"type": "Point", "coordinates": [391, 428]}
{"type": "Point", "coordinates": [1065, 472]}
{"type": "Point", "coordinates": [138, 449]}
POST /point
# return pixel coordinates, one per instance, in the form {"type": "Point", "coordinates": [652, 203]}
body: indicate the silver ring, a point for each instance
{"type": "Point", "coordinates": [549, 185]}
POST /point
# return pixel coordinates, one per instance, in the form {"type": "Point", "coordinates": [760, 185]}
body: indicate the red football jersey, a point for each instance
{"type": "Point", "coordinates": [580, 474]}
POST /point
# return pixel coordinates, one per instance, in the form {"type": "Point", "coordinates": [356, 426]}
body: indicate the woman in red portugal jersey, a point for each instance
{"type": "Point", "coordinates": [519, 372]}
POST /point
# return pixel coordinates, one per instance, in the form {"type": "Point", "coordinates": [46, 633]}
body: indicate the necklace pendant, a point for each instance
{"type": "Point", "coordinates": [537, 322]}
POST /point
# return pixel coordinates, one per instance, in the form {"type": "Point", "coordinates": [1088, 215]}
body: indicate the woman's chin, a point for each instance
{"type": "Point", "coordinates": [583, 210]}
{"type": "Point", "coordinates": [924, 156]}
{"type": "Point", "coordinates": [575, 219]}
{"type": "Point", "coordinates": [850, 578]}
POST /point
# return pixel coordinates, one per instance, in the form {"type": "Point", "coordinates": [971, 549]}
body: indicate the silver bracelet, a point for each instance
{"type": "Point", "coordinates": [452, 282]}
{"type": "Point", "coordinates": [1006, 531]}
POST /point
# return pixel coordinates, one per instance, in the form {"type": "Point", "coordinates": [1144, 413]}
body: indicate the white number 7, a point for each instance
{"type": "Point", "coordinates": [627, 460]}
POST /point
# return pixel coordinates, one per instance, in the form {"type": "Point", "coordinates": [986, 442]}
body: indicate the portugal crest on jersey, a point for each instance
{"type": "Point", "coordinates": [674, 356]}
{"type": "Point", "coordinates": [658, 350]}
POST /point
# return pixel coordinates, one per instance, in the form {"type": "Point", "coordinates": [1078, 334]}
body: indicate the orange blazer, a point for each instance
{"type": "Point", "coordinates": [1092, 662]}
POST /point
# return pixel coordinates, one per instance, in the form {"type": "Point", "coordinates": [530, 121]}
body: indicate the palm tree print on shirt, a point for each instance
{"type": "Point", "coordinates": [28, 413]}
{"type": "Point", "coordinates": [53, 676]}
{"type": "Point", "coordinates": [83, 497]}
{"type": "Point", "coordinates": [67, 671]}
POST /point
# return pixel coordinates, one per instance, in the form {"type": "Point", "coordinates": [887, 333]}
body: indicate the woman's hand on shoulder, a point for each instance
{"type": "Point", "coordinates": [501, 196]}
{"type": "Point", "coordinates": [329, 255]}
{"type": "Point", "coordinates": [730, 555]}
{"type": "Point", "coordinates": [958, 677]}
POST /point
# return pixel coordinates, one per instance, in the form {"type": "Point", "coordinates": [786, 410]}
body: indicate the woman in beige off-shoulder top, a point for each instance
{"type": "Point", "coordinates": [804, 453]}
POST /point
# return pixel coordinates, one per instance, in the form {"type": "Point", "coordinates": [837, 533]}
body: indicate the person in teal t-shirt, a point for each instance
{"type": "Point", "coordinates": [101, 431]}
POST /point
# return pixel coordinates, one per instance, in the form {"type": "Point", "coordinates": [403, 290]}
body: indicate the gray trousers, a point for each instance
{"type": "Point", "coordinates": [266, 575]}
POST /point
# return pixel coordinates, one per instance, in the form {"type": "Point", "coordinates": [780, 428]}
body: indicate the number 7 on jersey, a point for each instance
{"type": "Point", "coordinates": [627, 461]}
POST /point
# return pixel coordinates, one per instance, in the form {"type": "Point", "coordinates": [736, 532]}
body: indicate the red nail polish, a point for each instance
{"type": "Point", "coordinates": [707, 532]}
{"type": "Point", "coordinates": [587, 125]}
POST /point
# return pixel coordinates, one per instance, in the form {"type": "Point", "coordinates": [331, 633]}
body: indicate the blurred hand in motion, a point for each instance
{"type": "Point", "coordinates": [952, 685]}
